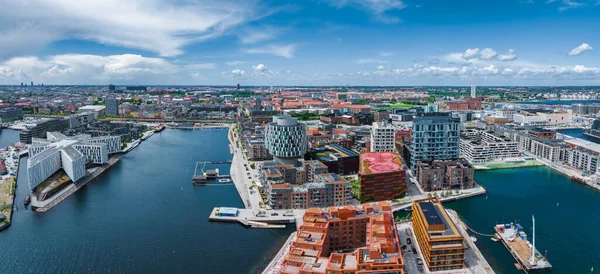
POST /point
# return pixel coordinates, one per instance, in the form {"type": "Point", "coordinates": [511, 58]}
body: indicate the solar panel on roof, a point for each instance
{"type": "Point", "coordinates": [431, 214]}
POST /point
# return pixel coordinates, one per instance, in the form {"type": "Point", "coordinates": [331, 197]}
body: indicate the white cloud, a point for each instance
{"type": "Point", "coordinates": [487, 54]}
{"type": "Point", "coordinates": [580, 49]}
{"type": "Point", "coordinates": [201, 66]}
{"type": "Point", "coordinates": [262, 70]}
{"type": "Point", "coordinates": [236, 73]}
{"type": "Point", "coordinates": [378, 8]}
{"type": "Point", "coordinates": [380, 67]}
{"type": "Point", "coordinates": [508, 56]}
{"type": "Point", "coordinates": [160, 26]}
{"type": "Point", "coordinates": [255, 35]}
{"type": "Point", "coordinates": [471, 53]}
{"type": "Point", "coordinates": [85, 68]}
{"type": "Point", "coordinates": [286, 51]}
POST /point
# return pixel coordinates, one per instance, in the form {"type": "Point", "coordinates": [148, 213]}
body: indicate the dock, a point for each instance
{"type": "Point", "coordinates": [527, 256]}
{"type": "Point", "coordinates": [248, 218]}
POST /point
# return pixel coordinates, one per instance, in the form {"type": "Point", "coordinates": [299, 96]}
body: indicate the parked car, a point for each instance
{"type": "Point", "coordinates": [419, 261]}
{"type": "Point", "coordinates": [414, 250]}
{"type": "Point", "coordinates": [419, 267]}
{"type": "Point", "coordinates": [408, 241]}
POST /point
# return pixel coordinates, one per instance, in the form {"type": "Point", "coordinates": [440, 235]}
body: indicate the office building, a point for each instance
{"type": "Point", "coordinates": [442, 175]}
{"type": "Point", "coordinates": [11, 113]}
{"type": "Point", "coordinates": [81, 120]}
{"type": "Point", "coordinates": [338, 159]}
{"type": "Point", "coordinates": [479, 146]}
{"type": "Point", "coordinates": [382, 176]}
{"type": "Point", "coordinates": [47, 156]}
{"type": "Point", "coordinates": [350, 239]}
{"type": "Point", "coordinates": [435, 136]}
{"type": "Point", "coordinates": [112, 106]}
{"type": "Point", "coordinates": [40, 128]}
{"type": "Point", "coordinates": [382, 137]}
{"type": "Point", "coordinates": [473, 91]}
{"type": "Point", "coordinates": [440, 241]}
{"type": "Point", "coordinates": [285, 138]}
{"type": "Point", "coordinates": [382, 115]}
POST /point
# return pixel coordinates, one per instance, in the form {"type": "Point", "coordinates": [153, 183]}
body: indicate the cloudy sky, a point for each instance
{"type": "Point", "coordinates": [305, 42]}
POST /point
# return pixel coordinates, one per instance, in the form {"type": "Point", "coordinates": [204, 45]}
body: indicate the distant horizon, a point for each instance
{"type": "Point", "coordinates": [309, 86]}
{"type": "Point", "coordinates": [319, 43]}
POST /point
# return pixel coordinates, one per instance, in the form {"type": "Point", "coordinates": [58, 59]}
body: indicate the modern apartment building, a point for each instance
{"type": "Point", "coordinates": [257, 151]}
{"type": "Point", "coordinates": [583, 155]}
{"type": "Point", "coordinates": [313, 169]}
{"type": "Point", "coordinates": [547, 149]}
{"type": "Point", "coordinates": [440, 242]}
{"type": "Point", "coordinates": [112, 106]}
{"type": "Point", "coordinates": [382, 176]}
{"type": "Point", "coordinates": [382, 137]}
{"type": "Point", "coordinates": [328, 190]}
{"type": "Point", "coordinates": [585, 109]}
{"type": "Point", "coordinates": [285, 138]}
{"type": "Point", "coordinates": [338, 159]}
{"type": "Point", "coordinates": [349, 239]}
{"type": "Point", "coordinates": [479, 146]}
{"type": "Point", "coordinates": [445, 175]}
{"type": "Point", "coordinates": [435, 136]}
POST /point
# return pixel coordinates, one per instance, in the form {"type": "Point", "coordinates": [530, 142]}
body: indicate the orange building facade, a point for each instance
{"type": "Point", "coordinates": [349, 239]}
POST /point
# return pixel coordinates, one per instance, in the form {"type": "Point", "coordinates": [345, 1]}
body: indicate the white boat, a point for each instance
{"type": "Point", "coordinates": [224, 180]}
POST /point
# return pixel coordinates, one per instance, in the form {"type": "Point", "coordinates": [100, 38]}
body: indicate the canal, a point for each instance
{"type": "Point", "coordinates": [143, 215]}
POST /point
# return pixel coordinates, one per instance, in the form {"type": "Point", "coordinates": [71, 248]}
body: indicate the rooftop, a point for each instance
{"type": "Point", "coordinates": [379, 162]}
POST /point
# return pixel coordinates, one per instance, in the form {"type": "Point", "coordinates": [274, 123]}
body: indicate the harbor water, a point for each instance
{"type": "Point", "coordinates": [143, 215]}
{"type": "Point", "coordinates": [565, 214]}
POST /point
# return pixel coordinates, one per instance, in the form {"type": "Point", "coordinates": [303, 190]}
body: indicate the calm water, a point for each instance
{"type": "Point", "coordinates": [8, 137]}
{"type": "Point", "coordinates": [566, 216]}
{"type": "Point", "coordinates": [136, 218]}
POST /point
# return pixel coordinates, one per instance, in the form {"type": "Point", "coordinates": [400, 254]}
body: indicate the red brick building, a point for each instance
{"type": "Point", "coordinates": [467, 104]}
{"type": "Point", "coordinates": [382, 176]}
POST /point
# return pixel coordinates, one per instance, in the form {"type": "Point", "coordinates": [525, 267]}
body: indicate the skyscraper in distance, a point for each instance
{"type": "Point", "coordinates": [473, 91]}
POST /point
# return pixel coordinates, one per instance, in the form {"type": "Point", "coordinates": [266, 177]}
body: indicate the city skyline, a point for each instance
{"type": "Point", "coordinates": [375, 42]}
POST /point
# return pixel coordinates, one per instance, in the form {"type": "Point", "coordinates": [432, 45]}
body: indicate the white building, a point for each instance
{"type": "Point", "coordinates": [96, 109]}
{"type": "Point", "coordinates": [81, 119]}
{"type": "Point", "coordinates": [556, 117]}
{"type": "Point", "coordinates": [528, 119]}
{"type": "Point", "coordinates": [47, 156]}
{"type": "Point", "coordinates": [584, 155]}
{"type": "Point", "coordinates": [382, 137]}
{"type": "Point", "coordinates": [479, 146]}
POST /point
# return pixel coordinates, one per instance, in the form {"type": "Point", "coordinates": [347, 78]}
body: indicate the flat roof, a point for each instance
{"type": "Point", "coordinates": [228, 210]}
{"type": "Point", "coordinates": [379, 162]}
{"type": "Point", "coordinates": [584, 144]}
{"type": "Point", "coordinates": [432, 216]}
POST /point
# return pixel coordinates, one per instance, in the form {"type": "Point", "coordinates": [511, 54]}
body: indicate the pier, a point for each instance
{"type": "Point", "coordinates": [247, 217]}
{"type": "Point", "coordinates": [527, 256]}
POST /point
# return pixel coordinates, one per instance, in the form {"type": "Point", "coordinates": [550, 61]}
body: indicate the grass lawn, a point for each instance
{"type": "Point", "coordinates": [527, 163]}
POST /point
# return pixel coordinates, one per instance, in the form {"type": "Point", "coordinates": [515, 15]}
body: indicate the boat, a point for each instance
{"type": "Point", "coordinates": [473, 238]}
{"type": "Point", "coordinates": [514, 238]}
{"type": "Point", "coordinates": [224, 180]}
{"type": "Point", "coordinates": [159, 128]}
{"type": "Point", "coordinates": [408, 209]}
{"type": "Point", "coordinates": [27, 200]}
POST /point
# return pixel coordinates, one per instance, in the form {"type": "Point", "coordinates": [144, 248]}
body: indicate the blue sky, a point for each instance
{"type": "Point", "coordinates": [310, 42]}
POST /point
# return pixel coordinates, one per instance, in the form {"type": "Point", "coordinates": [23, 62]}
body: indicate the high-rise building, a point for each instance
{"type": "Point", "coordinates": [349, 239]}
{"type": "Point", "coordinates": [285, 138]}
{"type": "Point", "coordinates": [111, 87]}
{"type": "Point", "coordinates": [435, 136]}
{"type": "Point", "coordinates": [382, 137]}
{"type": "Point", "coordinates": [112, 106]}
{"type": "Point", "coordinates": [439, 240]}
{"type": "Point", "coordinates": [473, 91]}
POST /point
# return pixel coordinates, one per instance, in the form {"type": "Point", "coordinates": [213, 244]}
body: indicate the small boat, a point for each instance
{"type": "Point", "coordinates": [224, 180]}
{"type": "Point", "coordinates": [473, 238]}
{"type": "Point", "coordinates": [408, 209]}
{"type": "Point", "coordinates": [27, 200]}
{"type": "Point", "coordinates": [494, 239]}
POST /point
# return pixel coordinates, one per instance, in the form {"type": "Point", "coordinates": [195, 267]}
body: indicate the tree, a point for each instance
{"type": "Point", "coordinates": [393, 101]}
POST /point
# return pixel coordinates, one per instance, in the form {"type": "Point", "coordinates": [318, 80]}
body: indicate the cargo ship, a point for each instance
{"type": "Point", "coordinates": [527, 256]}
